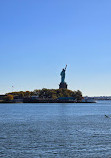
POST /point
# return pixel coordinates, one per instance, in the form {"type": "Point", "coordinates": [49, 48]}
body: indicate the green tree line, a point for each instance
{"type": "Point", "coordinates": [48, 93]}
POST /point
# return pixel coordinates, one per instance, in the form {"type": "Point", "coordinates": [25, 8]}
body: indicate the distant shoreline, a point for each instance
{"type": "Point", "coordinates": [45, 102]}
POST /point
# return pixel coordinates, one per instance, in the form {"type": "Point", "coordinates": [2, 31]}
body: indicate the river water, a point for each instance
{"type": "Point", "coordinates": [55, 130]}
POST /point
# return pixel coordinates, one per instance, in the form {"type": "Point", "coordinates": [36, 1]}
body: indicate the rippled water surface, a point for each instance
{"type": "Point", "coordinates": [55, 130]}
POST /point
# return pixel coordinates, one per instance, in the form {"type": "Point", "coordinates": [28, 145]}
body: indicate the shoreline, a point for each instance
{"type": "Point", "coordinates": [44, 102]}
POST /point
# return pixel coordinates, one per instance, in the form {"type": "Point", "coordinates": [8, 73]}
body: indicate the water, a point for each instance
{"type": "Point", "coordinates": [55, 130]}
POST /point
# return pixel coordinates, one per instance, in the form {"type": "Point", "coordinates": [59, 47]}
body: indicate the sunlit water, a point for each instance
{"type": "Point", "coordinates": [55, 130]}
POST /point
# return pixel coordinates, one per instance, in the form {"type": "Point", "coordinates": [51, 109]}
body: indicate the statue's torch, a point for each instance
{"type": "Point", "coordinates": [65, 67]}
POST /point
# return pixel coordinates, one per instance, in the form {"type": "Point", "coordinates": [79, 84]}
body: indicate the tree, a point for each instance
{"type": "Point", "coordinates": [9, 97]}
{"type": "Point", "coordinates": [79, 95]}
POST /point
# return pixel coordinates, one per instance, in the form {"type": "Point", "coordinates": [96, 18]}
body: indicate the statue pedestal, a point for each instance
{"type": "Point", "coordinates": [63, 85]}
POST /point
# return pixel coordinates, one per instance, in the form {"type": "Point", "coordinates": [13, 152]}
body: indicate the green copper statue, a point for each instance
{"type": "Point", "coordinates": [63, 75]}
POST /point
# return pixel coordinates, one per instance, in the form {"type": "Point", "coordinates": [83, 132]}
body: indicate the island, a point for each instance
{"type": "Point", "coordinates": [44, 95]}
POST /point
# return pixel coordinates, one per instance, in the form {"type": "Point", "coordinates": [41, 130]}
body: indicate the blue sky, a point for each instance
{"type": "Point", "coordinates": [39, 37]}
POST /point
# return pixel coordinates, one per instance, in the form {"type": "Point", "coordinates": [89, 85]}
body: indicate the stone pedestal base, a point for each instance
{"type": "Point", "coordinates": [63, 85]}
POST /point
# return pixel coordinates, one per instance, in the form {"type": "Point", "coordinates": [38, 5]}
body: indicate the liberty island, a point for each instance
{"type": "Point", "coordinates": [61, 95]}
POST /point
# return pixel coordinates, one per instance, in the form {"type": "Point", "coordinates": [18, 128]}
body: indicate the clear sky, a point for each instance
{"type": "Point", "coordinates": [39, 37]}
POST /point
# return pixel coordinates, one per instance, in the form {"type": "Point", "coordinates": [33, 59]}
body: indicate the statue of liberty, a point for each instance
{"type": "Point", "coordinates": [63, 75]}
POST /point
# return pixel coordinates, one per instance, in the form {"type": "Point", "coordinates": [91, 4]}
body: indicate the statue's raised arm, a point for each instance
{"type": "Point", "coordinates": [65, 67]}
